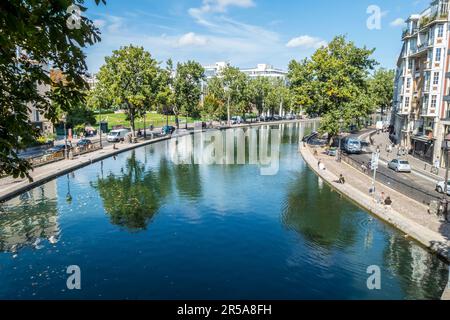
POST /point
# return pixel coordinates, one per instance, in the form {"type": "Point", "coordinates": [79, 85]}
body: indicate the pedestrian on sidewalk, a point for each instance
{"type": "Point", "coordinates": [364, 168]}
{"type": "Point", "coordinates": [437, 164]}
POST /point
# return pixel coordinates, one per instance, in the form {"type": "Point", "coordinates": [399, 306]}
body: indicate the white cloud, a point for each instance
{"type": "Point", "coordinates": [99, 23]}
{"type": "Point", "coordinates": [306, 42]}
{"type": "Point", "coordinates": [399, 22]}
{"type": "Point", "coordinates": [220, 6]}
{"type": "Point", "coordinates": [191, 39]}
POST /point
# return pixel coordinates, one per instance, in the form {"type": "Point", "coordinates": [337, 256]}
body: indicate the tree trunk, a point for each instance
{"type": "Point", "coordinates": [132, 116]}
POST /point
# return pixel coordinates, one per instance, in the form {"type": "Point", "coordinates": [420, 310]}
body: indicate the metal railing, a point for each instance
{"type": "Point", "coordinates": [60, 155]}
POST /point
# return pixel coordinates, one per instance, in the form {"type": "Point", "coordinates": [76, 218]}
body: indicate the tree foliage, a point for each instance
{"type": "Point", "coordinates": [187, 89]}
{"type": "Point", "coordinates": [130, 78]}
{"type": "Point", "coordinates": [34, 36]}
{"type": "Point", "coordinates": [333, 83]}
{"type": "Point", "coordinates": [381, 89]}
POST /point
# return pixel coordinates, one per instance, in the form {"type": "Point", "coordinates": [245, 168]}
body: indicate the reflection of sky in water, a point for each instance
{"type": "Point", "coordinates": [141, 227]}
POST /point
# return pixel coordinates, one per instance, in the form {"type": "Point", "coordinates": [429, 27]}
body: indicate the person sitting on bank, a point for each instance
{"type": "Point", "coordinates": [388, 202]}
{"type": "Point", "coordinates": [341, 179]}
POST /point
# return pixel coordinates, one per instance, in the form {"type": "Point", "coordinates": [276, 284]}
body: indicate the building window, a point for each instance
{"type": "Point", "coordinates": [436, 78]}
{"type": "Point", "coordinates": [410, 64]}
{"type": "Point", "coordinates": [433, 102]}
{"type": "Point", "coordinates": [407, 102]}
{"type": "Point", "coordinates": [440, 31]}
{"type": "Point", "coordinates": [438, 55]}
{"type": "Point", "coordinates": [408, 83]}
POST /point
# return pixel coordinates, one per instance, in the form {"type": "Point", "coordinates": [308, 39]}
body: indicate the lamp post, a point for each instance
{"type": "Point", "coordinates": [64, 119]}
{"type": "Point", "coordinates": [227, 91]}
{"type": "Point", "coordinates": [341, 122]}
{"type": "Point", "coordinates": [444, 197]}
{"type": "Point", "coordinates": [100, 128]}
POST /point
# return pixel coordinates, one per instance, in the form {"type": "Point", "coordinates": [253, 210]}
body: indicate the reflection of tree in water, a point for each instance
{"type": "Point", "coordinates": [188, 181]}
{"type": "Point", "coordinates": [421, 275]}
{"type": "Point", "coordinates": [317, 214]}
{"type": "Point", "coordinates": [133, 198]}
{"type": "Point", "coordinates": [26, 220]}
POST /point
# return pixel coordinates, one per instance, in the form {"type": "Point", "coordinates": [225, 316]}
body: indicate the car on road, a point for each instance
{"type": "Point", "coordinates": [352, 145]}
{"type": "Point", "coordinates": [117, 135]}
{"type": "Point", "coordinates": [168, 130]}
{"type": "Point", "coordinates": [440, 187]}
{"type": "Point", "coordinates": [399, 165]}
{"type": "Point", "coordinates": [84, 143]}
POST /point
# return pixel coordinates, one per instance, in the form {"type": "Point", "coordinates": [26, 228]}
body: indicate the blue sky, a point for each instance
{"type": "Point", "coordinates": [246, 32]}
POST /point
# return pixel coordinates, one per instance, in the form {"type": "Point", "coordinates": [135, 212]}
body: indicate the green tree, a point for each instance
{"type": "Point", "coordinates": [236, 88]}
{"type": "Point", "coordinates": [165, 98]}
{"type": "Point", "coordinates": [258, 92]}
{"type": "Point", "coordinates": [381, 89]}
{"type": "Point", "coordinates": [35, 35]}
{"type": "Point", "coordinates": [130, 78]}
{"type": "Point", "coordinates": [80, 115]}
{"type": "Point", "coordinates": [333, 83]}
{"type": "Point", "coordinates": [187, 89]}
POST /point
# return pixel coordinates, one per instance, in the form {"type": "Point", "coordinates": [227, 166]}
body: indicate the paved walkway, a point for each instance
{"type": "Point", "coordinates": [406, 214]}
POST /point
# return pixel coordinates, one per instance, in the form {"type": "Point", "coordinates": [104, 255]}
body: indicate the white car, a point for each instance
{"type": "Point", "coordinates": [400, 165]}
{"type": "Point", "coordinates": [440, 187]}
{"type": "Point", "coordinates": [117, 135]}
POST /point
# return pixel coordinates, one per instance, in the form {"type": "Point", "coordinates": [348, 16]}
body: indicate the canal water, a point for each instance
{"type": "Point", "coordinates": [145, 225]}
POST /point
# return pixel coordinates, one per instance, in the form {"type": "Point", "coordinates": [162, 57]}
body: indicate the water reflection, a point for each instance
{"type": "Point", "coordinates": [132, 198]}
{"type": "Point", "coordinates": [29, 219]}
{"type": "Point", "coordinates": [317, 214]}
{"type": "Point", "coordinates": [420, 274]}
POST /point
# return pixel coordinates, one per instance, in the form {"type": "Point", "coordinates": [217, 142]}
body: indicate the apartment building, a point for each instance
{"type": "Point", "coordinates": [261, 70]}
{"type": "Point", "coordinates": [420, 112]}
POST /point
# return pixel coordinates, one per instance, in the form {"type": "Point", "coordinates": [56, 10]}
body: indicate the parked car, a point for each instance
{"type": "Point", "coordinates": [168, 130]}
{"type": "Point", "coordinates": [236, 120]}
{"type": "Point", "coordinates": [440, 187]}
{"type": "Point", "coordinates": [290, 117]}
{"type": "Point", "coordinates": [277, 118]}
{"type": "Point", "coordinates": [58, 148]}
{"type": "Point", "coordinates": [84, 143]}
{"type": "Point", "coordinates": [332, 152]}
{"type": "Point", "coordinates": [399, 165]}
{"type": "Point", "coordinates": [117, 135]}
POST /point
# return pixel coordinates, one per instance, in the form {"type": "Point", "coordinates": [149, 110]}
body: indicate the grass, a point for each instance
{"type": "Point", "coordinates": [158, 120]}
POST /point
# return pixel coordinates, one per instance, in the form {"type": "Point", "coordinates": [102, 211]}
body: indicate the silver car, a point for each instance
{"type": "Point", "coordinates": [399, 165]}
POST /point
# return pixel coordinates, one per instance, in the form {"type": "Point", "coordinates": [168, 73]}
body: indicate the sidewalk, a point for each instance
{"type": "Point", "coordinates": [406, 214]}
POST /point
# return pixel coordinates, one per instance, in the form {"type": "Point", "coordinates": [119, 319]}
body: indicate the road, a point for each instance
{"type": "Point", "coordinates": [418, 187]}
{"type": "Point", "coordinates": [414, 185]}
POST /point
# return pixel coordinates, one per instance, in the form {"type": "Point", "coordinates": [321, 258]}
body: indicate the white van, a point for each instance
{"type": "Point", "coordinates": [117, 135]}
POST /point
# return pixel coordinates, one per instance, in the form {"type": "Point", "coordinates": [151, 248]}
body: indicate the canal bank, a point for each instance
{"type": "Point", "coordinates": [10, 187]}
{"type": "Point", "coordinates": [354, 189]}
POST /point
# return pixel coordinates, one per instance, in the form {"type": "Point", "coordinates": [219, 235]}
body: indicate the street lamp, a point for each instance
{"type": "Point", "coordinates": [64, 119]}
{"type": "Point", "coordinates": [227, 91]}
{"type": "Point", "coordinates": [341, 122]}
